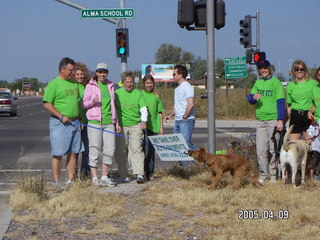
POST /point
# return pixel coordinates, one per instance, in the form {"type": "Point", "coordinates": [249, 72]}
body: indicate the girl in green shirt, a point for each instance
{"type": "Point", "coordinates": [154, 123]}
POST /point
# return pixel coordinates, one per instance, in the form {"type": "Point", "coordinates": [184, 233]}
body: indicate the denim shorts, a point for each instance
{"type": "Point", "coordinates": [65, 138]}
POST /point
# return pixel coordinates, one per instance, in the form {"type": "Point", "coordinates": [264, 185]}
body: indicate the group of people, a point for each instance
{"type": "Point", "coordinates": [274, 106]}
{"type": "Point", "coordinates": [87, 114]}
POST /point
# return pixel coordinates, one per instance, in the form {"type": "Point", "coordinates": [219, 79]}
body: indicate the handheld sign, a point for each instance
{"type": "Point", "coordinates": [170, 147]}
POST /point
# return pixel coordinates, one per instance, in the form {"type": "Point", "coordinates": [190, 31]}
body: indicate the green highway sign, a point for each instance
{"type": "Point", "coordinates": [108, 13]}
{"type": "Point", "coordinates": [235, 67]}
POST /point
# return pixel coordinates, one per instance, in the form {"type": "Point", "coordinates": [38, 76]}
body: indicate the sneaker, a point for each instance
{"type": "Point", "coordinates": [140, 179]}
{"type": "Point", "coordinates": [95, 182]}
{"type": "Point", "coordinates": [105, 181]}
{"type": "Point", "coordinates": [126, 180]}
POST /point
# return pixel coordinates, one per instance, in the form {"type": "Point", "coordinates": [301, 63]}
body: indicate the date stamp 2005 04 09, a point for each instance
{"type": "Point", "coordinates": [265, 214]}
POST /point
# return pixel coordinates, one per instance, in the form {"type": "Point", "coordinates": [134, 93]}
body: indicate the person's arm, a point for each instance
{"type": "Point", "coordinates": [53, 111]}
{"type": "Point", "coordinates": [144, 117]}
{"type": "Point", "coordinates": [171, 113]}
{"type": "Point", "coordinates": [190, 105]}
{"type": "Point", "coordinates": [161, 123]}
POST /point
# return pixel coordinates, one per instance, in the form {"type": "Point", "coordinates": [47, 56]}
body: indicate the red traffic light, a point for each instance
{"type": "Point", "coordinates": [259, 56]}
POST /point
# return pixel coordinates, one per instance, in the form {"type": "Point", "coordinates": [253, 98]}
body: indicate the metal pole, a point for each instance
{"type": "Point", "coordinates": [258, 30]}
{"type": "Point", "coordinates": [123, 25]}
{"type": "Point", "coordinates": [258, 36]}
{"type": "Point", "coordinates": [211, 77]}
{"type": "Point", "coordinates": [79, 7]}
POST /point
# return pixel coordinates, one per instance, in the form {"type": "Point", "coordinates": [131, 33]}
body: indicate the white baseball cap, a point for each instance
{"type": "Point", "coordinates": [101, 67]}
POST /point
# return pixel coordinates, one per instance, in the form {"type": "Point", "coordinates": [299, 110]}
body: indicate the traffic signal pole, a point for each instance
{"type": "Point", "coordinates": [124, 60]}
{"type": "Point", "coordinates": [121, 23]}
{"type": "Point", "coordinates": [211, 77]}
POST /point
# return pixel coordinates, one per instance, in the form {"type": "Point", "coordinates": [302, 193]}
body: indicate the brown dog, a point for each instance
{"type": "Point", "coordinates": [219, 164]}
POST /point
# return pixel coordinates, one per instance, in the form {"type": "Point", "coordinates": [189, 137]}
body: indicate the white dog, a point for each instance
{"type": "Point", "coordinates": [295, 154]}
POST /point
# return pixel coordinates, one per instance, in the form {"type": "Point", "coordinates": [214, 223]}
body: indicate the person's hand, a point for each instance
{"type": "Point", "coordinates": [310, 115]}
{"type": "Point", "coordinates": [95, 99]}
{"type": "Point", "coordinates": [64, 119]}
{"type": "Point", "coordinates": [279, 125]}
{"type": "Point", "coordinates": [167, 118]}
{"type": "Point", "coordinates": [143, 125]}
{"type": "Point", "coordinates": [257, 96]}
{"type": "Point", "coordinates": [118, 128]}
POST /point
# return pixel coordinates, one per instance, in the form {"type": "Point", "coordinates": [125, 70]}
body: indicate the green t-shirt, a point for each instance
{"type": "Point", "coordinates": [64, 95]}
{"type": "Point", "coordinates": [299, 95]}
{"type": "Point", "coordinates": [271, 90]}
{"type": "Point", "coordinates": [82, 110]}
{"type": "Point", "coordinates": [155, 107]}
{"type": "Point", "coordinates": [128, 106]}
{"type": "Point", "coordinates": [316, 101]}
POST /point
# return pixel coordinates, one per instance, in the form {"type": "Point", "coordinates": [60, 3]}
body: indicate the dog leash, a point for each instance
{"type": "Point", "coordinates": [120, 135]}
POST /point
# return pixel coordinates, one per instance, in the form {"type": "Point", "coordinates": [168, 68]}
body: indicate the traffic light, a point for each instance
{"type": "Point", "coordinates": [259, 57]}
{"type": "Point", "coordinates": [122, 42]}
{"type": "Point", "coordinates": [185, 13]}
{"type": "Point", "coordinates": [246, 32]}
{"type": "Point", "coordinates": [248, 57]}
{"type": "Point", "coordinates": [190, 12]}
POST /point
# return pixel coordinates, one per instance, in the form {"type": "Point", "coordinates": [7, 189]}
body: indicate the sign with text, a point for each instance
{"type": "Point", "coordinates": [160, 72]}
{"type": "Point", "coordinates": [108, 13]}
{"type": "Point", "coordinates": [235, 67]}
{"type": "Point", "coordinates": [170, 147]}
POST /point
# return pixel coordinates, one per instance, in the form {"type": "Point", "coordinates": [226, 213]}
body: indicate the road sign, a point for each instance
{"type": "Point", "coordinates": [108, 13]}
{"type": "Point", "coordinates": [235, 67]}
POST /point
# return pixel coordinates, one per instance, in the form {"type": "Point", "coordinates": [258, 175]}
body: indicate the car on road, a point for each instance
{"type": "Point", "coordinates": [8, 103]}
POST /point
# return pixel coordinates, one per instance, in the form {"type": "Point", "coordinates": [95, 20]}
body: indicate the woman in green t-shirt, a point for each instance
{"type": "Point", "coordinates": [299, 100]}
{"type": "Point", "coordinates": [82, 77]}
{"type": "Point", "coordinates": [154, 123]}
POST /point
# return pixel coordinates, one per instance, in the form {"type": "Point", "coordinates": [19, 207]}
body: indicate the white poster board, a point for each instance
{"type": "Point", "coordinates": [170, 147]}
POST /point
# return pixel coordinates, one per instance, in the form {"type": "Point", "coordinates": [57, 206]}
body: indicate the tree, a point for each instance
{"type": "Point", "coordinates": [168, 54]}
{"type": "Point", "coordinates": [198, 68]}
{"type": "Point", "coordinates": [34, 83]}
{"type": "Point", "coordinates": [3, 83]}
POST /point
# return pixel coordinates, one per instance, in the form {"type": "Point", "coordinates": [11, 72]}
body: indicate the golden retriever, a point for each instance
{"type": "Point", "coordinates": [220, 163]}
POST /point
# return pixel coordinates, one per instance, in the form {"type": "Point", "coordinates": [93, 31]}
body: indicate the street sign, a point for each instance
{"type": "Point", "coordinates": [107, 13]}
{"type": "Point", "coordinates": [235, 67]}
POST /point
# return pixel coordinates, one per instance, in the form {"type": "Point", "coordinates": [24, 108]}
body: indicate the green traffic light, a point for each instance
{"type": "Point", "coordinates": [122, 50]}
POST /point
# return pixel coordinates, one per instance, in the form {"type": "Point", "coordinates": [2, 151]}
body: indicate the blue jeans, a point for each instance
{"type": "Point", "coordinates": [85, 168]}
{"type": "Point", "coordinates": [185, 128]}
{"type": "Point", "coordinates": [64, 138]}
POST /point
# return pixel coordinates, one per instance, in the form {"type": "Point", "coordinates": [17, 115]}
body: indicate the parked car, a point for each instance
{"type": "Point", "coordinates": [8, 103]}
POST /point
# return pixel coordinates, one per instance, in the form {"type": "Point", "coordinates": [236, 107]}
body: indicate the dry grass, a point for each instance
{"type": "Point", "coordinates": [234, 106]}
{"type": "Point", "coordinates": [178, 207]}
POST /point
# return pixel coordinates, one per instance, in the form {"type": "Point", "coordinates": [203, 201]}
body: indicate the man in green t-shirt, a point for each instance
{"type": "Point", "coordinates": [133, 115]}
{"type": "Point", "coordinates": [61, 101]}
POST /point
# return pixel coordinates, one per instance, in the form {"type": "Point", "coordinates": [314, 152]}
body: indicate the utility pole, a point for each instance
{"type": "Point", "coordinates": [118, 22]}
{"type": "Point", "coordinates": [211, 76]}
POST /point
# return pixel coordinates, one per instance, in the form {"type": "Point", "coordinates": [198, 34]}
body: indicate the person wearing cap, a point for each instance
{"type": "Point", "coordinates": [61, 101]}
{"type": "Point", "coordinates": [99, 100]}
{"type": "Point", "coordinates": [299, 100]}
{"type": "Point", "coordinates": [133, 115]}
{"type": "Point", "coordinates": [268, 96]}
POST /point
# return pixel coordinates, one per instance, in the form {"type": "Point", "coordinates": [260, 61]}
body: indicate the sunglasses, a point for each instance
{"type": "Point", "coordinates": [299, 70]}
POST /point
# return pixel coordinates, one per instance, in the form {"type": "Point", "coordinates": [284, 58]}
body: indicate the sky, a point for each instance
{"type": "Point", "coordinates": [36, 34]}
